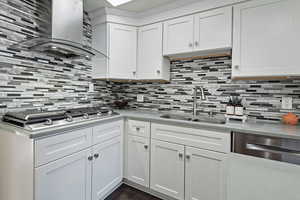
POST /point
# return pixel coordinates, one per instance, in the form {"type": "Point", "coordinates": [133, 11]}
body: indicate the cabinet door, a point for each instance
{"type": "Point", "coordinates": [205, 175]}
{"type": "Point", "coordinates": [138, 160]}
{"type": "Point", "coordinates": [67, 178]}
{"type": "Point", "coordinates": [107, 168]}
{"type": "Point", "coordinates": [266, 38]}
{"type": "Point", "coordinates": [179, 35]}
{"type": "Point", "coordinates": [150, 55]}
{"type": "Point", "coordinates": [167, 169]}
{"type": "Point", "coordinates": [213, 29]}
{"type": "Point", "coordinates": [122, 51]}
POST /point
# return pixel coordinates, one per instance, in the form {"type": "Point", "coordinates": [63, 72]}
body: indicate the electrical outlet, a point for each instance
{"type": "Point", "coordinates": [287, 103]}
{"type": "Point", "coordinates": [140, 98]}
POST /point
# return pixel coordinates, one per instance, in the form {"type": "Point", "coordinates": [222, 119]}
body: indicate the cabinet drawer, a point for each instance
{"type": "Point", "coordinates": [210, 140]}
{"type": "Point", "coordinates": [139, 128]}
{"type": "Point", "coordinates": [53, 148]}
{"type": "Point", "coordinates": [107, 131]}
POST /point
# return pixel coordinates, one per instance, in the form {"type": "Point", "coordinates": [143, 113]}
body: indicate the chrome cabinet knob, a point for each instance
{"type": "Point", "coordinates": [138, 129]}
{"type": "Point", "coordinates": [158, 71]}
{"type": "Point", "coordinates": [196, 43]}
{"type": "Point", "coordinates": [188, 157]}
{"type": "Point", "coordinates": [191, 45]}
{"type": "Point", "coordinates": [146, 146]}
{"type": "Point", "coordinates": [236, 67]}
{"type": "Point", "coordinates": [180, 155]}
{"type": "Point", "coordinates": [96, 156]}
{"type": "Point", "coordinates": [90, 158]}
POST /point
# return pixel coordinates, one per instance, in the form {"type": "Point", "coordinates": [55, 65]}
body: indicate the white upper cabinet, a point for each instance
{"type": "Point", "coordinates": [266, 39]}
{"type": "Point", "coordinates": [119, 42]}
{"type": "Point", "coordinates": [210, 30]}
{"type": "Point", "coordinates": [179, 35]}
{"type": "Point", "coordinates": [213, 29]}
{"type": "Point", "coordinates": [138, 53]}
{"type": "Point", "coordinates": [122, 51]}
{"type": "Point", "coordinates": [151, 63]}
{"type": "Point", "coordinates": [205, 176]}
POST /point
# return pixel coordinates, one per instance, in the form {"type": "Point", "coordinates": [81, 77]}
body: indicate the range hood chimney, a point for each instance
{"type": "Point", "coordinates": [65, 37]}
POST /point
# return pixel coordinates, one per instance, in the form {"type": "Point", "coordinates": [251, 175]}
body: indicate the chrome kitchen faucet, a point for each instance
{"type": "Point", "coordinates": [203, 98]}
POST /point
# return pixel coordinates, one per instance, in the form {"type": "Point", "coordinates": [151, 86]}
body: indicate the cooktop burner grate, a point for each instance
{"type": "Point", "coordinates": [44, 119]}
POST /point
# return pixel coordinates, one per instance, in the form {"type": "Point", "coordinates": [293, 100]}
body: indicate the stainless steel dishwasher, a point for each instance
{"type": "Point", "coordinates": [264, 168]}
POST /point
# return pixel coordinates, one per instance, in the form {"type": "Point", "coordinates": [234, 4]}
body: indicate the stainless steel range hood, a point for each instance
{"type": "Point", "coordinates": [65, 38]}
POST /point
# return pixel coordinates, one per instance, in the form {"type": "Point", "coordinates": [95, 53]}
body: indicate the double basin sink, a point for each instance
{"type": "Point", "coordinates": [204, 119]}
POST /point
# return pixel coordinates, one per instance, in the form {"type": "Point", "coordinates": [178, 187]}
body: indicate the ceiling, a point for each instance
{"type": "Point", "coordinates": [133, 6]}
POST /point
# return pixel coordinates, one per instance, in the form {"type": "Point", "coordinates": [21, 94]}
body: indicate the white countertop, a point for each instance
{"type": "Point", "coordinates": [260, 128]}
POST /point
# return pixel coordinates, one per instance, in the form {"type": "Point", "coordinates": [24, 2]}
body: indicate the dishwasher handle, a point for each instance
{"type": "Point", "coordinates": [272, 149]}
{"type": "Point", "coordinates": [267, 147]}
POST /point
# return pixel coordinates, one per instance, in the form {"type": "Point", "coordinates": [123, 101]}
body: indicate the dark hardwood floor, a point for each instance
{"type": "Point", "coordinates": [125, 192]}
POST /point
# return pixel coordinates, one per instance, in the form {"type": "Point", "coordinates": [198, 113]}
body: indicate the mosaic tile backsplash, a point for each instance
{"type": "Point", "coordinates": [262, 99]}
{"type": "Point", "coordinates": [29, 80]}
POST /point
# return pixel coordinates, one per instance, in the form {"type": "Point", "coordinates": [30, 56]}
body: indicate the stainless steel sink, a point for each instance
{"type": "Point", "coordinates": [213, 120]}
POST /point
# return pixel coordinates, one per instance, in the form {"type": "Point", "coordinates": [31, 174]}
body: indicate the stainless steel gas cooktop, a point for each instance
{"type": "Point", "coordinates": [34, 120]}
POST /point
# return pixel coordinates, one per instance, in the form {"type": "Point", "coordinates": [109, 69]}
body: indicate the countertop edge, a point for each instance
{"type": "Point", "coordinates": [266, 129]}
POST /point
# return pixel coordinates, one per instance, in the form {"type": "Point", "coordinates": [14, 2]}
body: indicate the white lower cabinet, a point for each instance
{"type": "Point", "coordinates": [107, 167]}
{"type": "Point", "coordinates": [167, 165]}
{"type": "Point", "coordinates": [89, 174]}
{"type": "Point", "coordinates": [138, 160]}
{"type": "Point", "coordinates": [167, 168]}
{"type": "Point", "coordinates": [67, 178]}
{"type": "Point", "coordinates": [182, 168]}
{"type": "Point", "coordinates": [205, 175]}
